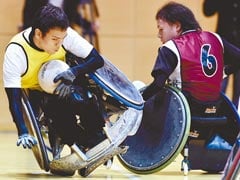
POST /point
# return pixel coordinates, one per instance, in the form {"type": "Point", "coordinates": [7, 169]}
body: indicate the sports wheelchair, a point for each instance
{"type": "Point", "coordinates": [120, 102]}
{"type": "Point", "coordinates": [168, 129]}
{"type": "Point", "coordinates": [232, 167]}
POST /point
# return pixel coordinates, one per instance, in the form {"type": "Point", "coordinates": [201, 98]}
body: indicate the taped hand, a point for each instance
{"type": "Point", "coordinates": [27, 141]}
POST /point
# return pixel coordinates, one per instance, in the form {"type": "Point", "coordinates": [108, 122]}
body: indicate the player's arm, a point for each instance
{"type": "Point", "coordinates": [15, 106]}
{"type": "Point", "coordinates": [165, 64]}
{"type": "Point", "coordinates": [79, 47]}
{"type": "Point", "coordinates": [15, 64]}
{"type": "Point", "coordinates": [91, 63]}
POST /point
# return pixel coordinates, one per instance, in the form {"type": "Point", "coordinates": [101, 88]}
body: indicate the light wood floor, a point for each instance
{"type": "Point", "coordinates": [19, 163]}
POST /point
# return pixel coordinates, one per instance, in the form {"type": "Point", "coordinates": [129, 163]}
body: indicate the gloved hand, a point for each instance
{"type": "Point", "coordinates": [67, 77]}
{"type": "Point", "coordinates": [26, 140]}
{"type": "Point", "coordinates": [64, 88]}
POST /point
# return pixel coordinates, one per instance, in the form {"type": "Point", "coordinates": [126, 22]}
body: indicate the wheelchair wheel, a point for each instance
{"type": "Point", "coordinates": [162, 134]}
{"type": "Point", "coordinates": [39, 150]}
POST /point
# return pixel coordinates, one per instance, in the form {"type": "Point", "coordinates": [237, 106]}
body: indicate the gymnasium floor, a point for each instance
{"type": "Point", "coordinates": [19, 163]}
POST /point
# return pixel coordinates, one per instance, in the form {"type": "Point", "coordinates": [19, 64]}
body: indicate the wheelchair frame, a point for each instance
{"type": "Point", "coordinates": [140, 168]}
{"type": "Point", "coordinates": [32, 123]}
{"type": "Point", "coordinates": [40, 151]}
{"type": "Point", "coordinates": [120, 99]}
{"type": "Point", "coordinates": [232, 167]}
{"type": "Point", "coordinates": [215, 165]}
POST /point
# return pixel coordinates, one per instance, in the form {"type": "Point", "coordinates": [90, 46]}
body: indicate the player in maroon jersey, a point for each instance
{"type": "Point", "coordinates": [192, 59]}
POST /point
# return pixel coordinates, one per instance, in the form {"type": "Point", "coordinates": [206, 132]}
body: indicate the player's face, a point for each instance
{"type": "Point", "coordinates": [167, 31]}
{"type": "Point", "coordinates": [52, 40]}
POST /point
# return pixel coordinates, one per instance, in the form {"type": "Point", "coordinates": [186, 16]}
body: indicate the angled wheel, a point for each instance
{"type": "Point", "coordinates": [39, 150]}
{"type": "Point", "coordinates": [162, 134]}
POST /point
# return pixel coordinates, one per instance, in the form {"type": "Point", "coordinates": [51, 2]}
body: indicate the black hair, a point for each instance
{"type": "Point", "coordinates": [174, 12]}
{"type": "Point", "coordinates": [49, 17]}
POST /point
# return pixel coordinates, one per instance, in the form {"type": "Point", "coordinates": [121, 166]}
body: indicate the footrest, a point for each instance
{"type": "Point", "coordinates": [108, 155]}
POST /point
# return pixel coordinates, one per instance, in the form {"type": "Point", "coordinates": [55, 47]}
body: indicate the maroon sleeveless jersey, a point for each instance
{"type": "Point", "coordinates": [201, 64]}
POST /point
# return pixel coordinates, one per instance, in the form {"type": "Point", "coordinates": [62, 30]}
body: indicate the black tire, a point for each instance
{"type": "Point", "coordinates": [83, 172]}
{"type": "Point", "coordinates": [39, 150]}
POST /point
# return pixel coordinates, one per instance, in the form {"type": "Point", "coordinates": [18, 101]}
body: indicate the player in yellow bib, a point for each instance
{"type": "Point", "coordinates": [50, 38]}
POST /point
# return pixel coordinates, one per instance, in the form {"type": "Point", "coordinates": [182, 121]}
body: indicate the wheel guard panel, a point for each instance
{"type": "Point", "coordinates": [112, 80]}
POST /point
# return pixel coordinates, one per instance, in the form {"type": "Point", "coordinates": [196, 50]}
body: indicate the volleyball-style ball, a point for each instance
{"type": "Point", "coordinates": [48, 72]}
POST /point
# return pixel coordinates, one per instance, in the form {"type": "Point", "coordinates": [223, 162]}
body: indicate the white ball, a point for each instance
{"type": "Point", "coordinates": [48, 72]}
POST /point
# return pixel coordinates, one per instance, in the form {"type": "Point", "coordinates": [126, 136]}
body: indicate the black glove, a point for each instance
{"type": "Point", "coordinates": [64, 89]}
{"type": "Point", "coordinates": [67, 77]}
